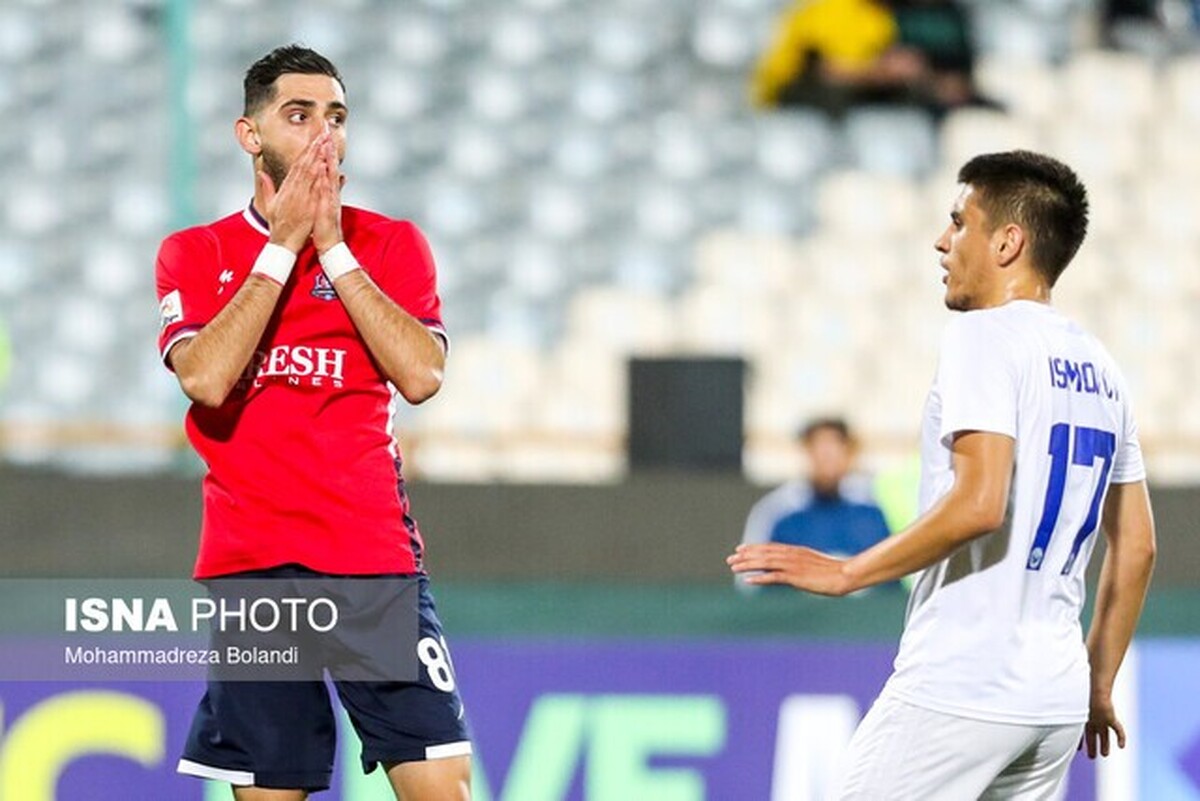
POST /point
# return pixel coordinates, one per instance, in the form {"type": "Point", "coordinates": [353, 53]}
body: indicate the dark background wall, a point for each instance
{"type": "Point", "coordinates": [653, 527]}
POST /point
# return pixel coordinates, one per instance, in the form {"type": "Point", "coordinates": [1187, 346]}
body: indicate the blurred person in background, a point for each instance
{"type": "Point", "coordinates": [1153, 28]}
{"type": "Point", "coordinates": [835, 54]}
{"type": "Point", "coordinates": [291, 325]}
{"type": "Point", "coordinates": [1029, 447]}
{"type": "Point", "coordinates": [831, 508]}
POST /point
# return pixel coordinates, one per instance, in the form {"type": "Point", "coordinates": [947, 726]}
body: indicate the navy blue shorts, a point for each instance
{"type": "Point", "coordinates": [281, 734]}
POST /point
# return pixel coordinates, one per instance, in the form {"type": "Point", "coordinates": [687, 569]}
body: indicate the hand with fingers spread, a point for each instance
{"type": "Point", "coordinates": [794, 565]}
{"type": "Point", "coordinates": [327, 222]}
{"type": "Point", "coordinates": [291, 207]}
{"type": "Point", "coordinates": [1101, 718]}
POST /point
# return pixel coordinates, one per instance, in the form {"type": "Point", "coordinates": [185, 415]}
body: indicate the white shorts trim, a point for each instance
{"type": "Point", "coordinates": [446, 750]}
{"type": "Point", "coordinates": [242, 778]}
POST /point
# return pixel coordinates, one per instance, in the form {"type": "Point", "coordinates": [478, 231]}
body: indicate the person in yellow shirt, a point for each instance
{"type": "Point", "coordinates": [837, 53]}
{"type": "Point", "coordinates": [847, 36]}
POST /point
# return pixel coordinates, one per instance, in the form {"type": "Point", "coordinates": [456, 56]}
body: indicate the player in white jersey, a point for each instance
{"type": "Point", "coordinates": [1029, 448]}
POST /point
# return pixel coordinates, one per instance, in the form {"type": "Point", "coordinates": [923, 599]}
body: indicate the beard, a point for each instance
{"type": "Point", "coordinates": [956, 303]}
{"type": "Point", "coordinates": [274, 166]}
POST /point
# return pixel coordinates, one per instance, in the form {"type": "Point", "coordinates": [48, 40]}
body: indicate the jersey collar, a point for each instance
{"type": "Point", "coordinates": [256, 220]}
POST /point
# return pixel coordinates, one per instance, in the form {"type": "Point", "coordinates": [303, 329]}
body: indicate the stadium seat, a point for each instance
{"type": "Point", "coordinates": [725, 39]}
{"type": "Point", "coordinates": [774, 207]}
{"type": "Point", "coordinates": [1110, 88]}
{"type": "Point", "coordinates": [1092, 271]}
{"type": "Point", "coordinates": [621, 322]}
{"type": "Point", "coordinates": [113, 34]}
{"type": "Point", "coordinates": [112, 270]}
{"type": "Point", "coordinates": [1017, 32]}
{"type": "Point", "coordinates": [795, 146]}
{"type": "Point", "coordinates": [535, 267]}
{"type": "Point", "coordinates": [645, 266]}
{"type": "Point", "coordinates": [709, 323]}
{"type": "Point", "coordinates": [139, 206]}
{"type": "Point", "coordinates": [663, 211]}
{"type": "Point", "coordinates": [1173, 148]}
{"type": "Point", "coordinates": [497, 95]}
{"type": "Point", "coordinates": [1167, 208]}
{"type": "Point", "coordinates": [559, 210]}
{"type": "Point", "coordinates": [506, 374]}
{"type": "Point", "coordinates": [1097, 151]}
{"type": "Point", "coordinates": [399, 94]}
{"type": "Point", "coordinates": [862, 204]}
{"type": "Point", "coordinates": [20, 35]}
{"type": "Point", "coordinates": [417, 39]}
{"type": "Point", "coordinates": [967, 132]}
{"type": "Point", "coordinates": [36, 210]}
{"type": "Point", "coordinates": [584, 152]}
{"type": "Point", "coordinates": [1182, 88]}
{"type": "Point", "coordinates": [604, 97]}
{"type": "Point", "coordinates": [518, 38]}
{"type": "Point", "coordinates": [476, 152]}
{"type": "Point", "coordinates": [453, 207]}
{"type": "Point", "coordinates": [1027, 87]}
{"type": "Point", "coordinates": [623, 41]}
{"type": "Point", "coordinates": [749, 266]}
{"type": "Point", "coordinates": [680, 149]}
{"type": "Point", "coordinates": [887, 141]}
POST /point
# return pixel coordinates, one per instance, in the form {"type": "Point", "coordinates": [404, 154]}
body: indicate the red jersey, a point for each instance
{"type": "Point", "coordinates": [302, 464]}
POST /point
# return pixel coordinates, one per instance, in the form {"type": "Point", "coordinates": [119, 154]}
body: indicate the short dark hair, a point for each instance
{"type": "Point", "coordinates": [1040, 194]}
{"type": "Point", "coordinates": [259, 83]}
{"type": "Point", "coordinates": [837, 425]}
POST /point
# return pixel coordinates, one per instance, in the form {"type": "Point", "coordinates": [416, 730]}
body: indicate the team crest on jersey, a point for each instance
{"type": "Point", "coordinates": [323, 288]}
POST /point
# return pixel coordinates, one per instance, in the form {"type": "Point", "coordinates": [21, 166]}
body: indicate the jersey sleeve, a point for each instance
{"type": "Point", "coordinates": [185, 301]}
{"type": "Point", "coordinates": [1128, 466]}
{"type": "Point", "coordinates": [410, 279]}
{"type": "Point", "coordinates": [977, 378]}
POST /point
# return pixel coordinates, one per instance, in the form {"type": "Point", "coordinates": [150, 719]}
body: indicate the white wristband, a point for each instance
{"type": "Point", "coordinates": [275, 262]}
{"type": "Point", "coordinates": [338, 260]}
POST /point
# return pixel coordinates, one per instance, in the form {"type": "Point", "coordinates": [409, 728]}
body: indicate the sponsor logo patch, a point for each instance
{"type": "Point", "coordinates": [170, 309]}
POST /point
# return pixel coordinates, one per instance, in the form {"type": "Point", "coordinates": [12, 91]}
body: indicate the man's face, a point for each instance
{"type": "Point", "coordinates": [304, 106]}
{"type": "Point", "coordinates": [966, 248]}
{"type": "Point", "coordinates": [830, 458]}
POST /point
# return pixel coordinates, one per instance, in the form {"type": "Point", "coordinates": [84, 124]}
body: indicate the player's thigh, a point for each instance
{"type": "Point", "coordinates": [446, 779]}
{"type": "Point", "coordinates": [411, 721]}
{"type": "Point", "coordinates": [260, 794]}
{"type": "Point", "coordinates": [277, 735]}
{"type": "Point", "coordinates": [1037, 774]}
{"type": "Point", "coordinates": [902, 752]}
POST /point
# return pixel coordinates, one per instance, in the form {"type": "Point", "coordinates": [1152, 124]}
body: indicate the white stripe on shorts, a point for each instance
{"type": "Point", "coordinates": [461, 748]}
{"type": "Point", "coordinates": [241, 778]}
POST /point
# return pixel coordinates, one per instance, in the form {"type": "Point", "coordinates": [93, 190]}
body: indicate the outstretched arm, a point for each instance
{"type": "Point", "coordinates": [1124, 578]}
{"type": "Point", "coordinates": [974, 506]}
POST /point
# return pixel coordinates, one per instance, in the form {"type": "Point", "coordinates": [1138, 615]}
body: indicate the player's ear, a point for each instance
{"type": "Point", "coordinates": [1009, 243]}
{"type": "Point", "coordinates": [247, 135]}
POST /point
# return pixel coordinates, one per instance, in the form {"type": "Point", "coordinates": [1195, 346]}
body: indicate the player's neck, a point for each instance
{"type": "Point", "coordinates": [257, 205]}
{"type": "Point", "coordinates": [1022, 286]}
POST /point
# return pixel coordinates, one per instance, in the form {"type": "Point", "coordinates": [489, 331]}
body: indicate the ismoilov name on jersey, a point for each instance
{"type": "Point", "coordinates": [1083, 377]}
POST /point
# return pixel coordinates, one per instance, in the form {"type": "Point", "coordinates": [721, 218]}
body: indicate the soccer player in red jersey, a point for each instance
{"type": "Point", "coordinates": [291, 325]}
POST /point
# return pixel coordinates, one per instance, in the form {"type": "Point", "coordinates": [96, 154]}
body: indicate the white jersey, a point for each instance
{"type": "Point", "coordinates": [993, 630]}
